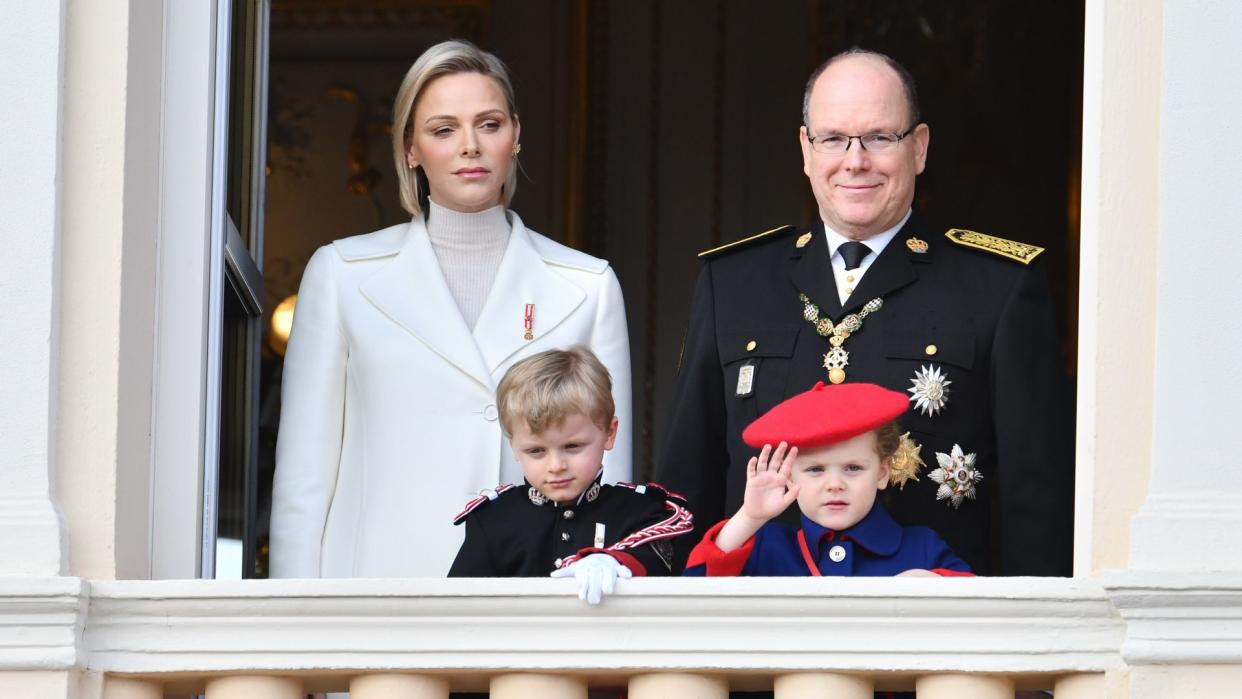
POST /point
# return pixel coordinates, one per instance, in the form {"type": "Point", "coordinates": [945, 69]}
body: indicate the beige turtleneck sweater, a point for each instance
{"type": "Point", "coordinates": [469, 248]}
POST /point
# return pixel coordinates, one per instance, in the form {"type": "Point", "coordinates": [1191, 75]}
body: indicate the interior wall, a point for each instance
{"type": "Point", "coordinates": [698, 129]}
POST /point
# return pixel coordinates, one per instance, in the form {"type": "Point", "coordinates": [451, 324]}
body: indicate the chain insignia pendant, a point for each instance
{"type": "Point", "coordinates": [835, 362]}
{"type": "Point", "coordinates": [837, 358]}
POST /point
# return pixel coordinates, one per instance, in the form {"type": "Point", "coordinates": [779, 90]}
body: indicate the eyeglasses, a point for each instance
{"type": "Point", "coordinates": [838, 144]}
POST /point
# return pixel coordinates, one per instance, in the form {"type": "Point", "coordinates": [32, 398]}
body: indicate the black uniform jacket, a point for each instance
{"type": "Point", "coordinates": [991, 322]}
{"type": "Point", "coordinates": [513, 536]}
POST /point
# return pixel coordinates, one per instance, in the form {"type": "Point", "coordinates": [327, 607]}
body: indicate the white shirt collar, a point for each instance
{"type": "Point", "coordinates": [877, 243]}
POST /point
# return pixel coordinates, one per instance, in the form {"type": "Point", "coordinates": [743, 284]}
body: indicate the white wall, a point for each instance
{"type": "Point", "coordinates": [1191, 518]}
{"type": "Point", "coordinates": [30, 51]}
{"type": "Point", "coordinates": [1116, 326]}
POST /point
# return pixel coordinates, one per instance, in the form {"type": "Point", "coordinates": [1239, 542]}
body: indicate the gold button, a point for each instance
{"type": "Point", "coordinates": [849, 278]}
{"type": "Point", "coordinates": [849, 289]}
{"type": "Point", "coordinates": [750, 346]}
{"type": "Point", "coordinates": [931, 349]}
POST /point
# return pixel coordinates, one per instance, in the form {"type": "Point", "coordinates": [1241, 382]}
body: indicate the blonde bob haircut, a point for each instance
{"type": "Point", "coordinates": [544, 389]}
{"type": "Point", "coordinates": [445, 58]}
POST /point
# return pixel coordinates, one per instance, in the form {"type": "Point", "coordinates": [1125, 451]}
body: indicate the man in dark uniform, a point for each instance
{"type": "Point", "coordinates": [960, 321]}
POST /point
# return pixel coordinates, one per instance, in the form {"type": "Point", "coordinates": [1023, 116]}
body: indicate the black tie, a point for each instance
{"type": "Point", "coordinates": [853, 253]}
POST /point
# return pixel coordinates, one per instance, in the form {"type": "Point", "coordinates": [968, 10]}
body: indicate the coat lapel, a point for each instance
{"type": "Point", "coordinates": [412, 292]}
{"type": "Point", "coordinates": [891, 271]}
{"type": "Point", "coordinates": [523, 278]}
{"type": "Point", "coordinates": [812, 273]}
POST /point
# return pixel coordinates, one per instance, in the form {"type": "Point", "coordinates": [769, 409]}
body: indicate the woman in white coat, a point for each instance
{"type": "Point", "coordinates": [388, 421]}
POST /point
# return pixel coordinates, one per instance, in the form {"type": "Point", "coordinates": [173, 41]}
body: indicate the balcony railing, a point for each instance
{"type": "Point", "coordinates": [419, 638]}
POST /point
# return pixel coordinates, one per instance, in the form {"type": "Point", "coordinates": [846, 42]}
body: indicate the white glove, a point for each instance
{"type": "Point", "coordinates": [596, 575]}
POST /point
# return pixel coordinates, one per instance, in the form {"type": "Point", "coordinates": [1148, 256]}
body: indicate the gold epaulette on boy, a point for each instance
{"type": "Point", "coordinates": [738, 244]}
{"type": "Point", "coordinates": [1021, 252]}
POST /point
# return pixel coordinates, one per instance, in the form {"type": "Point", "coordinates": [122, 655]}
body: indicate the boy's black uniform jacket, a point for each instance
{"type": "Point", "coordinates": [991, 321]}
{"type": "Point", "coordinates": [512, 536]}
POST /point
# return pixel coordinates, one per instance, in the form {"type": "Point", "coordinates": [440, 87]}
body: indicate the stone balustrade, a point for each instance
{"type": "Point", "coordinates": [979, 638]}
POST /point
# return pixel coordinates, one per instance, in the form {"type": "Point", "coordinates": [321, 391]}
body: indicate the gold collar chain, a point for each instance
{"type": "Point", "coordinates": [837, 358]}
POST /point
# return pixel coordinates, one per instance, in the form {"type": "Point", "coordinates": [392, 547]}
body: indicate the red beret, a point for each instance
{"type": "Point", "coordinates": [826, 415]}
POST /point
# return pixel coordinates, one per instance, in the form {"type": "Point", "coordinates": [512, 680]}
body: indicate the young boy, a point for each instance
{"type": "Point", "coordinates": [556, 408]}
{"type": "Point", "coordinates": [846, 448]}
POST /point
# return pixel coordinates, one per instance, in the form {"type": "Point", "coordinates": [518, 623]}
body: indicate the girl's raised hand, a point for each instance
{"type": "Point", "coordinates": [768, 490]}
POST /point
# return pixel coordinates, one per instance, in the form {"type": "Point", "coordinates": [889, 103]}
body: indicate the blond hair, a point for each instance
{"type": "Point", "coordinates": [542, 390]}
{"type": "Point", "coordinates": [445, 58]}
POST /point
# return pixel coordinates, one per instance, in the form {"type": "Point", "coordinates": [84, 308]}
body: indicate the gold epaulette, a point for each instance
{"type": "Point", "coordinates": [1021, 252]}
{"type": "Point", "coordinates": [746, 241]}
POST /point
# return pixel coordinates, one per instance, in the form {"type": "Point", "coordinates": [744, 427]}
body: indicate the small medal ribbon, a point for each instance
{"type": "Point", "coordinates": [528, 321]}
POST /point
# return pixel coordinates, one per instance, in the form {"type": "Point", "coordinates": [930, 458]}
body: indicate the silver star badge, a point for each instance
{"type": "Point", "coordinates": [930, 390]}
{"type": "Point", "coordinates": [956, 475]}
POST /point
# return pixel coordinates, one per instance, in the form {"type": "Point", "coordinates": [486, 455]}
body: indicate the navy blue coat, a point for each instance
{"type": "Point", "coordinates": [877, 546]}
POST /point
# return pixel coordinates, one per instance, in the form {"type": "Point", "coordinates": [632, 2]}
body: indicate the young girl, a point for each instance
{"type": "Point", "coordinates": [845, 448]}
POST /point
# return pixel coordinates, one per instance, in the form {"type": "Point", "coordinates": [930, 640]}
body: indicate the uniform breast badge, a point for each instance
{"type": "Point", "coordinates": [930, 390]}
{"type": "Point", "coordinates": [905, 463]}
{"type": "Point", "coordinates": [837, 358]}
{"type": "Point", "coordinates": [745, 380]}
{"type": "Point", "coordinates": [916, 245]}
{"type": "Point", "coordinates": [956, 475]}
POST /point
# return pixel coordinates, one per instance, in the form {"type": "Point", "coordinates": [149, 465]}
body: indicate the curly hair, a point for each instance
{"type": "Point", "coordinates": [887, 439]}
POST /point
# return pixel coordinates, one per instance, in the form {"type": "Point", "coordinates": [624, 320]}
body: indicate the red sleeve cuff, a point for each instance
{"type": "Point", "coordinates": [950, 573]}
{"type": "Point", "coordinates": [720, 563]}
{"type": "Point", "coordinates": [629, 561]}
